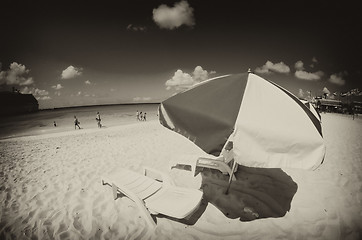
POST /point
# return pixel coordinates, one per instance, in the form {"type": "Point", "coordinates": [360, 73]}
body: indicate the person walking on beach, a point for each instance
{"type": "Point", "coordinates": [76, 123]}
{"type": "Point", "coordinates": [98, 118]}
{"type": "Point", "coordinates": [137, 115]}
{"type": "Point", "coordinates": [141, 116]}
{"type": "Point", "coordinates": [144, 116]}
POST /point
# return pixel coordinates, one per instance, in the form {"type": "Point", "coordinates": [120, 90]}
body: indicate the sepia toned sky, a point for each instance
{"type": "Point", "coordinates": [71, 53]}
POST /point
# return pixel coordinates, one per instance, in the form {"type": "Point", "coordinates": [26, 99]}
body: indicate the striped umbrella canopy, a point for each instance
{"type": "Point", "coordinates": [268, 125]}
{"type": "Point", "coordinates": [312, 109]}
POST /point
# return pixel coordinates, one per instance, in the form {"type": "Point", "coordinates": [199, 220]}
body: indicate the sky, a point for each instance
{"type": "Point", "coordinates": [72, 53]}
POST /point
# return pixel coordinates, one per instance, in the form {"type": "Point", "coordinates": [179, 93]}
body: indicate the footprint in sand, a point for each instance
{"type": "Point", "coordinates": [43, 214]}
{"type": "Point", "coordinates": [83, 193]}
{"type": "Point", "coordinates": [99, 199]}
{"type": "Point", "coordinates": [64, 235]}
{"type": "Point", "coordinates": [30, 216]}
{"type": "Point", "coordinates": [82, 222]}
{"type": "Point", "coordinates": [62, 227]}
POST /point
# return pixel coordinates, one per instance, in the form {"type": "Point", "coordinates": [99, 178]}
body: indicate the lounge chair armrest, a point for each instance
{"type": "Point", "coordinates": [158, 175]}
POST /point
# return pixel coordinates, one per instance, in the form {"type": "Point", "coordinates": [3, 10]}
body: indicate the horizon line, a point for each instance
{"type": "Point", "coordinates": [99, 105]}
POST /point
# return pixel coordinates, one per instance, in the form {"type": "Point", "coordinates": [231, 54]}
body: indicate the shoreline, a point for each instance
{"type": "Point", "coordinates": [43, 122]}
{"type": "Point", "coordinates": [71, 132]}
{"type": "Point", "coordinates": [53, 131]}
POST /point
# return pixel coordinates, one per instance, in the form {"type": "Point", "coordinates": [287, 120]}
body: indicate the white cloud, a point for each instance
{"type": "Point", "coordinates": [27, 82]}
{"type": "Point", "coordinates": [2, 77]}
{"type": "Point", "coordinates": [299, 65]}
{"type": "Point", "coordinates": [27, 90]}
{"type": "Point", "coordinates": [182, 80]}
{"type": "Point", "coordinates": [200, 74]}
{"type": "Point", "coordinates": [71, 72]}
{"type": "Point", "coordinates": [57, 87]}
{"type": "Point", "coordinates": [43, 98]}
{"type": "Point", "coordinates": [87, 82]}
{"type": "Point", "coordinates": [34, 91]}
{"type": "Point", "coordinates": [173, 17]}
{"type": "Point", "coordinates": [309, 76]}
{"type": "Point", "coordinates": [143, 99]}
{"type": "Point", "coordinates": [132, 27]}
{"type": "Point", "coordinates": [326, 91]}
{"type": "Point", "coordinates": [40, 92]}
{"type": "Point", "coordinates": [262, 70]}
{"type": "Point", "coordinates": [269, 67]}
{"type": "Point", "coordinates": [337, 78]}
{"type": "Point", "coordinates": [314, 62]}
{"type": "Point", "coordinates": [301, 93]}
{"type": "Point", "coordinates": [16, 75]}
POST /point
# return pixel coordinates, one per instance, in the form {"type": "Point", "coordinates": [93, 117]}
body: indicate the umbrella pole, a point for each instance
{"type": "Point", "coordinates": [231, 176]}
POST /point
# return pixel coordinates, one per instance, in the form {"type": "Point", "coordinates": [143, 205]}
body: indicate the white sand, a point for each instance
{"type": "Point", "coordinates": [51, 189]}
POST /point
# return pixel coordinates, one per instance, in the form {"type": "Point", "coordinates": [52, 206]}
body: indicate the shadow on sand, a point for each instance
{"type": "Point", "coordinates": [190, 220]}
{"type": "Point", "coordinates": [256, 193]}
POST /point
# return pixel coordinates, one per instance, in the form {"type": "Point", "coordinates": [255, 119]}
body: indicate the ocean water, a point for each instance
{"type": "Point", "coordinates": [42, 122]}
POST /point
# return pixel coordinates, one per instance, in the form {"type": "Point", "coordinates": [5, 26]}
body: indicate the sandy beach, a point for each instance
{"type": "Point", "coordinates": [51, 188]}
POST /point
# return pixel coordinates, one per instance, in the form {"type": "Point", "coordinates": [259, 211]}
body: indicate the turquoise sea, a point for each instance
{"type": "Point", "coordinates": [42, 122]}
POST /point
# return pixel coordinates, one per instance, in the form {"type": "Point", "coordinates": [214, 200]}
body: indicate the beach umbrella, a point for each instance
{"type": "Point", "coordinates": [312, 109]}
{"type": "Point", "coordinates": [269, 126]}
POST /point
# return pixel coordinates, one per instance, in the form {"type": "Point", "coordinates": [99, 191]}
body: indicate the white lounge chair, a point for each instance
{"type": "Point", "coordinates": [154, 193]}
{"type": "Point", "coordinates": [223, 163]}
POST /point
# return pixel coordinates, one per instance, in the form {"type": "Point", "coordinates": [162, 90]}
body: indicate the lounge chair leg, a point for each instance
{"type": "Point", "coordinates": [114, 190]}
{"type": "Point", "coordinates": [145, 213]}
{"type": "Point", "coordinates": [231, 177]}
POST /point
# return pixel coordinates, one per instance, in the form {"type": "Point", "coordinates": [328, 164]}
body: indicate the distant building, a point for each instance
{"type": "Point", "coordinates": [12, 103]}
{"type": "Point", "coordinates": [357, 107]}
{"type": "Point", "coordinates": [329, 105]}
{"type": "Point", "coordinates": [338, 106]}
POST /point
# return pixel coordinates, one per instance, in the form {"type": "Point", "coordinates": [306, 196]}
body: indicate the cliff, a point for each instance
{"type": "Point", "coordinates": [16, 103]}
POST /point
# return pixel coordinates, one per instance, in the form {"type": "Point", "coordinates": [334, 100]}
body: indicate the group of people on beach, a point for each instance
{"type": "Point", "coordinates": [98, 119]}
{"type": "Point", "coordinates": [140, 116]}
{"type": "Point", "coordinates": [77, 122]}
